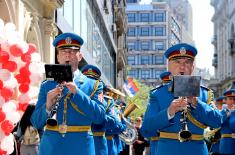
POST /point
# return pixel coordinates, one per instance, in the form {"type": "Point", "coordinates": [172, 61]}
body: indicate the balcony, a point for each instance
{"type": "Point", "coordinates": [214, 40]}
{"type": "Point", "coordinates": [215, 62]}
{"type": "Point", "coordinates": [120, 17]}
{"type": "Point", "coordinates": [121, 59]}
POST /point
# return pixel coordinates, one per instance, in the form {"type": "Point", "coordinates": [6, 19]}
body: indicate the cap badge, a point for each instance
{"type": "Point", "coordinates": [89, 70]}
{"type": "Point", "coordinates": [182, 51]}
{"type": "Point", "coordinates": [68, 40]}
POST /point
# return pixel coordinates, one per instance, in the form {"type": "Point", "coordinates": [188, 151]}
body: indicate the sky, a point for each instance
{"type": "Point", "coordinates": [202, 32]}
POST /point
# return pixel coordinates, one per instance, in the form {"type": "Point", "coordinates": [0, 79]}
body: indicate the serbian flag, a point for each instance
{"type": "Point", "coordinates": [130, 87]}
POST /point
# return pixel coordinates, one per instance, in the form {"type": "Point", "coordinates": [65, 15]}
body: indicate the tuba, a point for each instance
{"type": "Point", "coordinates": [130, 134]}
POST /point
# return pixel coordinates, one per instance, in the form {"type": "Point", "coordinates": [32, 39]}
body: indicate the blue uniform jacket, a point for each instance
{"type": "Point", "coordinates": [111, 131]}
{"type": "Point", "coordinates": [101, 147]}
{"type": "Point", "coordinates": [90, 110]}
{"type": "Point", "coordinates": [227, 143]}
{"type": "Point", "coordinates": [156, 119]}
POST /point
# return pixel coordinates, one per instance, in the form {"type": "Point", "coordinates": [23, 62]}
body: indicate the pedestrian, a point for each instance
{"type": "Point", "coordinates": [80, 105]}
{"type": "Point", "coordinates": [140, 143]}
{"type": "Point", "coordinates": [164, 111]}
{"type": "Point", "coordinates": [27, 136]}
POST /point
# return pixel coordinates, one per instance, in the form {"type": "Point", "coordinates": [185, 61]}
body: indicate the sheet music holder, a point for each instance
{"type": "Point", "coordinates": [59, 72]}
{"type": "Point", "coordinates": [186, 86]}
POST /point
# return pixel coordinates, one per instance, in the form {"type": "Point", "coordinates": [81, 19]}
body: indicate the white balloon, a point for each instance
{"type": "Point", "coordinates": [34, 67]}
{"type": "Point", "coordinates": [13, 116]}
{"type": "Point", "coordinates": [24, 98]}
{"type": "Point", "coordinates": [5, 74]}
{"type": "Point", "coordinates": [10, 27]}
{"type": "Point", "coordinates": [33, 91]}
{"type": "Point", "coordinates": [8, 107]}
{"type": "Point", "coordinates": [11, 83]}
{"type": "Point", "coordinates": [7, 144]}
{"type": "Point", "coordinates": [35, 78]}
{"type": "Point", "coordinates": [2, 101]}
{"type": "Point", "coordinates": [13, 37]}
{"type": "Point", "coordinates": [24, 46]}
{"type": "Point", "coordinates": [35, 57]}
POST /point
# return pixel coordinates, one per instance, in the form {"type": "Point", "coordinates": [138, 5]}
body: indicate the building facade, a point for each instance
{"type": "Point", "coordinates": [224, 45]}
{"type": "Point", "coordinates": [102, 25]}
{"type": "Point", "coordinates": [152, 28]}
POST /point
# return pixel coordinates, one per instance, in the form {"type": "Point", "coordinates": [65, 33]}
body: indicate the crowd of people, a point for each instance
{"type": "Point", "coordinates": [85, 116]}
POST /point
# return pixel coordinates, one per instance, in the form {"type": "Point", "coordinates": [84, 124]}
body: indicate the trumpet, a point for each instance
{"type": "Point", "coordinates": [52, 120]}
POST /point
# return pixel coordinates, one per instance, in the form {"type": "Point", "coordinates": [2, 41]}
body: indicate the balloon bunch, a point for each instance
{"type": "Point", "coordinates": [20, 73]}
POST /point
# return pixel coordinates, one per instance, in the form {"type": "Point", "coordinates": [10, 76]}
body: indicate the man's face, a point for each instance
{"type": "Point", "coordinates": [181, 66]}
{"type": "Point", "coordinates": [230, 101]}
{"type": "Point", "coordinates": [69, 56]}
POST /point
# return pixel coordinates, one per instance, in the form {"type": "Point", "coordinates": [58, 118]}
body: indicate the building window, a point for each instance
{"type": "Point", "coordinates": [158, 60]}
{"type": "Point", "coordinates": [131, 60]}
{"type": "Point", "coordinates": [159, 17]}
{"type": "Point", "coordinates": [145, 46]}
{"type": "Point", "coordinates": [159, 45]}
{"type": "Point", "coordinates": [157, 72]}
{"type": "Point", "coordinates": [145, 74]}
{"type": "Point", "coordinates": [144, 17]}
{"type": "Point", "coordinates": [131, 31]}
{"type": "Point", "coordinates": [144, 31]}
{"type": "Point", "coordinates": [144, 59]}
{"type": "Point", "coordinates": [131, 46]}
{"type": "Point", "coordinates": [160, 31]}
{"type": "Point", "coordinates": [131, 17]}
{"type": "Point", "coordinates": [133, 73]}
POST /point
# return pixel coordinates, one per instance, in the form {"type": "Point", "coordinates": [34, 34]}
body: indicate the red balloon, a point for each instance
{"type": "Point", "coordinates": [1, 84]}
{"type": "Point", "coordinates": [32, 48]}
{"type": "Point", "coordinates": [2, 115]}
{"type": "Point", "coordinates": [25, 70]}
{"type": "Point", "coordinates": [26, 57]}
{"type": "Point", "coordinates": [3, 152]}
{"type": "Point", "coordinates": [7, 127]}
{"type": "Point", "coordinates": [23, 106]}
{"type": "Point", "coordinates": [16, 50]}
{"type": "Point", "coordinates": [22, 79]}
{"type": "Point", "coordinates": [24, 88]}
{"type": "Point", "coordinates": [4, 56]}
{"type": "Point", "coordinates": [6, 93]}
{"type": "Point", "coordinates": [10, 65]}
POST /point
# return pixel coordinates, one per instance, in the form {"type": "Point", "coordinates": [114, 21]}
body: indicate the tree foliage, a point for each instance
{"type": "Point", "coordinates": [140, 99]}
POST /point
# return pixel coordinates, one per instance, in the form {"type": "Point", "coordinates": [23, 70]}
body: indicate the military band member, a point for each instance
{"type": "Point", "coordinates": [164, 111]}
{"type": "Point", "coordinates": [113, 141]}
{"type": "Point", "coordinates": [227, 141]}
{"type": "Point", "coordinates": [215, 138]}
{"type": "Point", "coordinates": [80, 105]}
{"type": "Point", "coordinates": [165, 79]}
